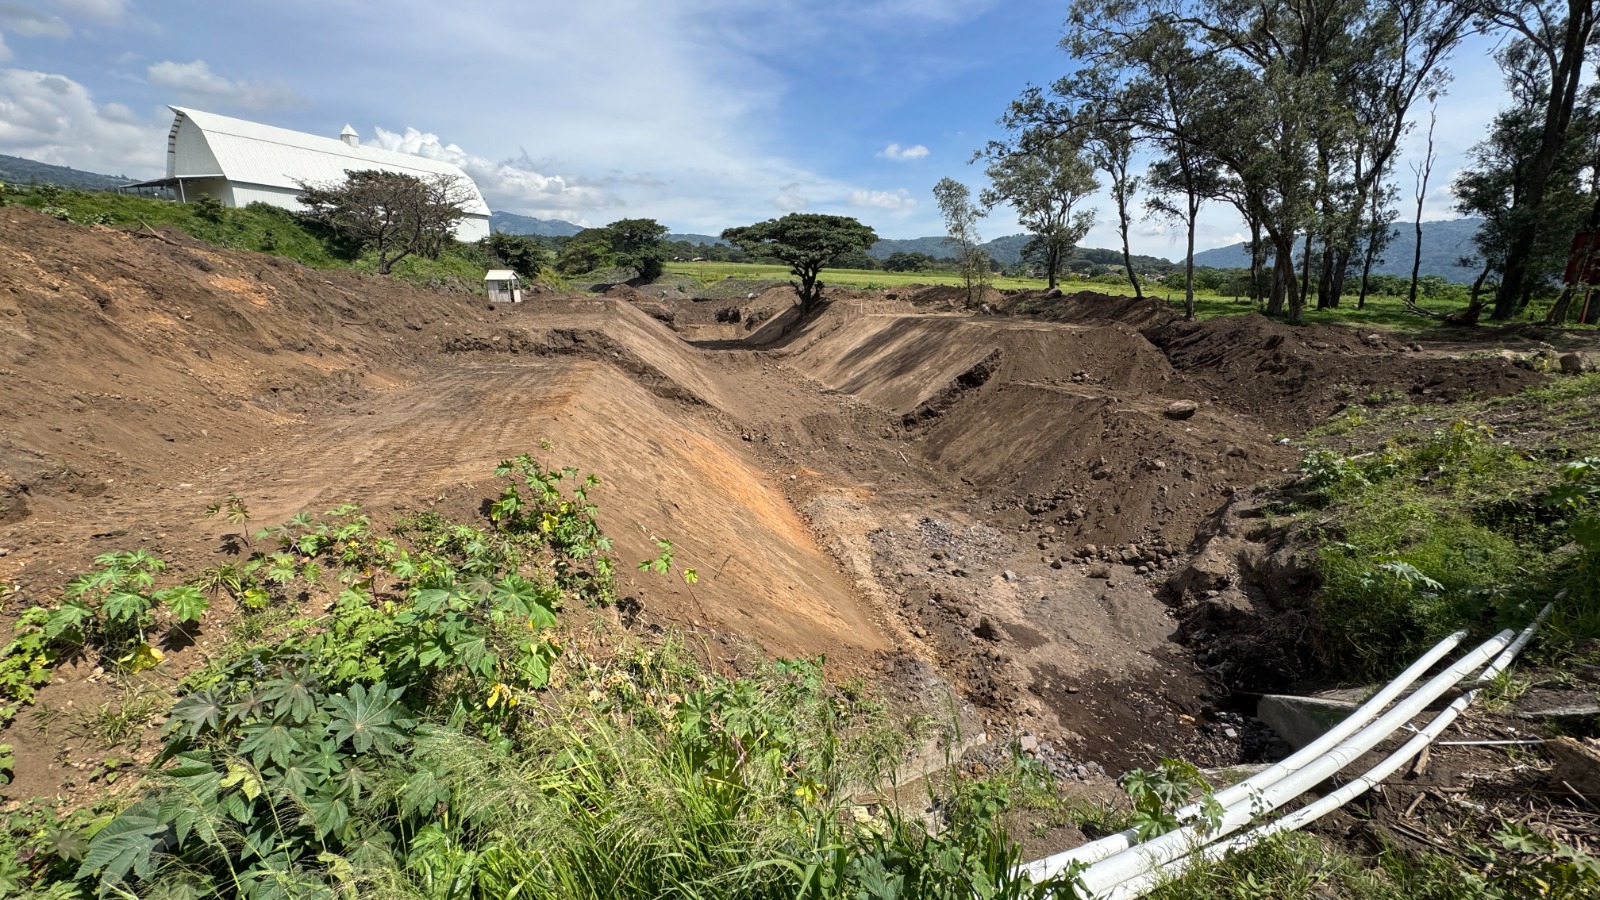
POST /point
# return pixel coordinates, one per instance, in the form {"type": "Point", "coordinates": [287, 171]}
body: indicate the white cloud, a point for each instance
{"type": "Point", "coordinates": [903, 154]}
{"type": "Point", "coordinates": [896, 199]}
{"type": "Point", "coordinates": [509, 184]}
{"type": "Point", "coordinates": [196, 80]}
{"type": "Point", "coordinates": [36, 19]}
{"type": "Point", "coordinates": [28, 20]}
{"type": "Point", "coordinates": [790, 199]}
{"type": "Point", "coordinates": [104, 11]}
{"type": "Point", "coordinates": [53, 119]}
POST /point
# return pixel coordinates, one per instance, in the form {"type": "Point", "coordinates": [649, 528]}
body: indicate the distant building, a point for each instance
{"type": "Point", "coordinates": [503, 286]}
{"type": "Point", "coordinates": [240, 163]}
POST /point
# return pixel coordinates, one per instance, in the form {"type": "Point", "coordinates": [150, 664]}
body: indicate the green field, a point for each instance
{"type": "Point", "coordinates": [1381, 312]}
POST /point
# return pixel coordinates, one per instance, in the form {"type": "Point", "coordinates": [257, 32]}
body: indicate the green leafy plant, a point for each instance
{"type": "Point", "coordinates": [662, 563]}
{"type": "Point", "coordinates": [1529, 864]}
{"type": "Point", "coordinates": [1158, 793]}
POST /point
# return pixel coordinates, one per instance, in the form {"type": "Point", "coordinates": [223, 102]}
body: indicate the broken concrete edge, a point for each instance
{"type": "Point", "coordinates": [1301, 720]}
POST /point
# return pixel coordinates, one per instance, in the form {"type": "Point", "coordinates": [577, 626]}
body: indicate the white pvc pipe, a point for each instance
{"type": "Point", "coordinates": [1141, 884]}
{"type": "Point", "coordinates": [1113, 844]}
{"type": "Point", "coordinates": [1158, 851]}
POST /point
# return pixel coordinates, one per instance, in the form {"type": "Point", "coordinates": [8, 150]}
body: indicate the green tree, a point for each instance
{"type": "Point", "coordinates": [520, 253]}
{"type": "Point", "coordinates": [391, 214]}
{"type": "Point", "coordinates": [807, 242]}
{"type": "Point", "coordinates": [1551, 38]}
{"type": "Point", "coordinates": [587, 251]}
{"type": "Point", "coordinates": [1043, 180]}
{"type": "Point", "coordinates": [961, 225]}
{"type": "Point", "coordinates": [1111, 148]}
{"type": "Point", "coordinates": [901, 261]}
{"type": "Point", "coordinates": [638, 244]}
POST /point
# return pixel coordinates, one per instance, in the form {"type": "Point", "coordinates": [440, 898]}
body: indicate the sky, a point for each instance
{"type": "Point", "coordinates": [702, 114]}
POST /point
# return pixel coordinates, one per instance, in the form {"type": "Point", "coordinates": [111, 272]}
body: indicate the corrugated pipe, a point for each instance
{"type": "Point", "coordinates": [1139, 885]}
{"type": "Point", "coordinates": [1111, 845]}
{"type": "Point", "coordinates": [1139, 859]}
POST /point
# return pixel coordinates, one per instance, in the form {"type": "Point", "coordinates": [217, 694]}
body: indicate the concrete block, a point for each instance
{"type": "Point", "coordinates": [1301, 720]}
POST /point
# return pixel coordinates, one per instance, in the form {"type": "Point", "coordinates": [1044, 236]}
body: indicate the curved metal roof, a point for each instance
{"type": "Point", "coordinates": [252, 153]}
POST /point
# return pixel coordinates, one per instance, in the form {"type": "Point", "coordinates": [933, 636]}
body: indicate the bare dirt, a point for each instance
{"type": "Point", "coordinates": [904, 486]}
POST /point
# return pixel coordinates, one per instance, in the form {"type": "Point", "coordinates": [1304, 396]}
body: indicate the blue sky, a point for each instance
{"type": "Point", "coordinates": [700, 114]}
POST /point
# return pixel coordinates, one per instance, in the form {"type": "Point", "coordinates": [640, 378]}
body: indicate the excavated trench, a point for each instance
{"type": "Point", "coordinates": [1033, 510]}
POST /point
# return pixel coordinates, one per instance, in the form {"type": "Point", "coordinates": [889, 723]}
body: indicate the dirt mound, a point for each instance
{"type": "Point", "coordinates": [1066, 425]}
{"type": "Point", "coordinates": [896, 478]}
{"type": "Point", "coordinates": [946, 296]}
{"type": "Point", "coordinates": [143, 378]}
{"type": "Point", "coordinates": [1295, 377]}
{"type": "Point", "coordinates": [1091, 307]}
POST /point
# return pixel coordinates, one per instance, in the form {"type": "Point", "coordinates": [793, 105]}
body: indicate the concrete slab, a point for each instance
{"type": "Point", "coordinates": [1301, 720]}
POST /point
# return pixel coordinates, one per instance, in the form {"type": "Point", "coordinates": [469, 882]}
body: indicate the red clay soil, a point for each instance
{"type": "Point", "coordinates": [902, 485]}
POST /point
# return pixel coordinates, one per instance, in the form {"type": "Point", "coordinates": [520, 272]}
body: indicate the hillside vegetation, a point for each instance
{"type": "Point", "coordinates": [258, 227]}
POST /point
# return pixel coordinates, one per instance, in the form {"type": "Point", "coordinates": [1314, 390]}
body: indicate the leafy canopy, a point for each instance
{"type": "Point", "coordinates": [807, 242]}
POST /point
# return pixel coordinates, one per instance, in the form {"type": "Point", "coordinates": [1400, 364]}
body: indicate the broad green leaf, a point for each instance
{"type": "Point", "coordinates": [187, 603]}
{"type": "Point", "coordinates": [126, 845]}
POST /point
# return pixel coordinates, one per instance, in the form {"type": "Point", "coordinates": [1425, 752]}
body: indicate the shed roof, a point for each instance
{"type": "Point", "coordinates": [500, 275]}
{"type": "Point", "coordinates": [253, 153]}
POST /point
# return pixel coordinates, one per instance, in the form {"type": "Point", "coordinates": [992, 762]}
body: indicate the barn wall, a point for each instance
{"type": "Point", "coordinates": [246, 194]}
{"type": "Point", "coordinates": [472, 228]}
{"type": "Point", "coordinates": [189, 154]}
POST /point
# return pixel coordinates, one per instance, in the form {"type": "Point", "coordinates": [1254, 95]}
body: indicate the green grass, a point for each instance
{"type": "Point", "coordinates": [1425, 527]}
{"type": "Point", "coordinates": [257, 228]}
{"type": "Point", "coordinates": [430, 733]}
{"type": "Point", "coordinates": [1381, 312]}
{"type": "Point", "coordinates": [708, 273]}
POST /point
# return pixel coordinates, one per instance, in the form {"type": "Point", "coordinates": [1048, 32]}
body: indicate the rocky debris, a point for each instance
{"type": "Point", "coordinates": [1578, 363]}
{"type": "Point", "coordinates": [1179, 410]}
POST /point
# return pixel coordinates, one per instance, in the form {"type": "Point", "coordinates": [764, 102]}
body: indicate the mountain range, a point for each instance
{"type": "Point", "coordinates": [1444, 244]}
{"type": "Point", "coordinates": [16, 170]}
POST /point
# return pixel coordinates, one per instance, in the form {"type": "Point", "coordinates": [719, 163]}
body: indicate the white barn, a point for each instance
{"type": "Point", "coordinates": [240, 163]}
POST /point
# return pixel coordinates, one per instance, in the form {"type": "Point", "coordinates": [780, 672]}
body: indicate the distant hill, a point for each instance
{"type": "Point", "coordinates": [707, 239]}
{"type": "Point", "coordinates": [1443, 244]}
{"type": "Point", "coordinates": [511, 223]}
{"type": "Point", "coordinates": [16, 170]}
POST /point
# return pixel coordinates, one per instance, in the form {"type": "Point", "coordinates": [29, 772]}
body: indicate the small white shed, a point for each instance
{"type": "Point", "coordinates": [503, 286]}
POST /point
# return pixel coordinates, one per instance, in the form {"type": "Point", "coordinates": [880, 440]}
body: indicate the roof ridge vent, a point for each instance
{"type": "Point", "coordinates": [349, 136]}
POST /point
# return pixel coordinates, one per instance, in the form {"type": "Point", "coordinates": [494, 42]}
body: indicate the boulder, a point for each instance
{"type": "Point", "coordinates": [1178, 410]}
{"type": "Point", "coordinates": [1211, 569]}
{"type": "Point", "coordinates": [1577, 363]}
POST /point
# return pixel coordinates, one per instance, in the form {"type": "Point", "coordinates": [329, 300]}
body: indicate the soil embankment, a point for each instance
{"type": "Point", "coordinates": [910, 489]}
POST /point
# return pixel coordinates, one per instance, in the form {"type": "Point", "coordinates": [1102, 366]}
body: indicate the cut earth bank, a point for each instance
{"type": "Point", "coordinates": [1002, 504]}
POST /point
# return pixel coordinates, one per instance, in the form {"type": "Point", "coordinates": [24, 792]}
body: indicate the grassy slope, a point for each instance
{"type": "Point", "coordinates": [259, 228]}
{"type": "Point", "coordinates": [1460, 495]}
{"type": "Point", "coordinates": [1381, 312]}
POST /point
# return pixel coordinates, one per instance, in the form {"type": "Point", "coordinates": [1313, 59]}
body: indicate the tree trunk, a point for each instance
{"type": "Point", "coordinates": [1127, 253]}
{"type": "Point", "coordinates": [1336, 279]}
{"type": "Point", "coordinates": [1052, 256]}
{"type": "Point", "coordinates": [1305, 277]}
{"type": "Point", "coordinates": [1514, 287]}
{"type": "Point", "coordinates": [1325, 299]}
{"type": "Point", "coordinates": [1188, 265]}
{"type": "Point", "coordinates": [1416, 256]}
{"type": "Point", "coordinates": [1469, 316]}
{"type": "Point", "coordinates": [1285, 289]}
{"type": "Point", "coordinates": [1366, 274]}
{"type": "Point", "coordinates": [1257, 261]}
